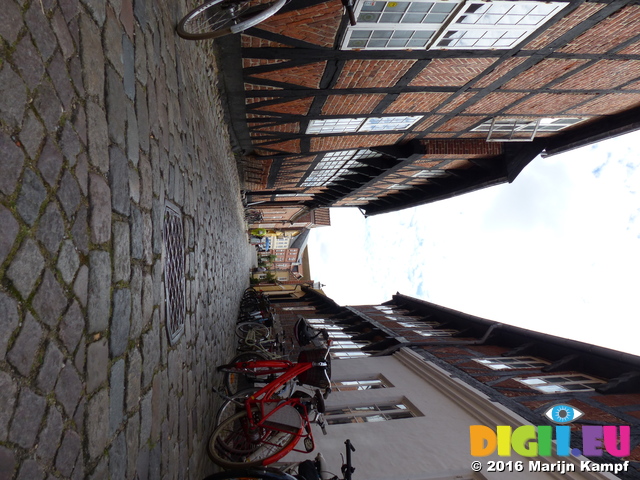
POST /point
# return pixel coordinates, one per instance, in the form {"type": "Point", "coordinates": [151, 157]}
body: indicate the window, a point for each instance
{"type": "Point", "coordinates": [354, 385]}
{"type": "Point", "coordinates": [436, 333]}
{"type": "Point", "coordinates": [495, 25]}
{"type": "Point", "coordinates": [362, 124]}
{"type": "Point", "coordinates": [561, 383]}
{"type": "Point", "coordinates": [399, 186]}
{"type": "Point", "coordinates": [397, 25]}
{"type": "Point", "coordinates": [368, 413]}
{"type": "Point", "coordinates": [341, 354]}
{"type": "Point", "coordinates": [334, 164]}
{"type": "Point", "coordinates": [418, 324]}
{"type": "Point", "coordinates": [421, 24]}
{"type": "Point", "coordinates": [522, 129]}
{"type": "Point", "coordinates": [283, 279]}
{"type": "Point", "coordinates": [510, 363]}
{"type": "Point", "coordinates": [430, 174]}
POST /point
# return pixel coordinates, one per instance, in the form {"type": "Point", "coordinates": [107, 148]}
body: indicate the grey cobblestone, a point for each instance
{"type": "Point", "coordinates": [99, 291]}
{"type": "Point", "coordinates": [50, 300]}
{"type": "Point", "coordinates": [93, 222]}
{"type": "Point", "coordinates": [26, 267]}
{"type": "Point", "coordinates": [68, 261]}
{"type": "Point", "coordinates": [32, 194]}
{"type": "Point", "coordinates": [10, 229]}
{"type": "Point", "coordinates": [51, 365]}
{"type": "Point", "coordinates": [97, 364]}
{"type": "Point", "coordinates": [50, 436]}
{"type": "Point", "coordinates": [120, 322]}
{"type": "Point", "coordinates": [27, 418]}
{"type": "Point", "coordinates": [51, 228]}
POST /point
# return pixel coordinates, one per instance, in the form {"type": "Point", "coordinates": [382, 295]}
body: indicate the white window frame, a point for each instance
{"type": "Point", "coordinates": [489, 30]}
{"type": "Point", "coordinates": [373, 383]}
{"type": "Point", "coordinates": [483, 35]}
{"type": "Point", "coordinates": [333, 165]}
{"type": "Point", "coordinates": [374, 412]}
{"type": "Point", "coordinates": [362, 124]}
{"type": "Point", "coordinates": [446, 332]}
{"type": "Point", "coordinates": [515, 129]}
{"type": "Point", "coordinates": [579, 383]}
{"type": "Point", "coordinates": [401, 28]}
{"type": "Point", "coordinates": [511, 363]}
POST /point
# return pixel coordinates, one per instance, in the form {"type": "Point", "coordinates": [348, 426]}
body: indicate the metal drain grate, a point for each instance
{"type": "Point", "coordinates": [173, 238]}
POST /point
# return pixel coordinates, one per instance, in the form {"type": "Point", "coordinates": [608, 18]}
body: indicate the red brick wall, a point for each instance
{"type": "Point", "coordinates": [346, 142]}
{"type": "Point", "coordinates": [549, 103]}
{"type": "Point", "coordinates": [295, 107]}
{"type": "Point", "coordinates": [606, 103]}
{"type": "Point", "coordinates": [417, 102]}
{"type": "Point", "coordinates": [502, 69]}
{"type": "Point", "coordinates": [249, 41]}
{"type": "Point", "coordinates": [456, 102]}
{"type": "Point", "coordinates": [619, 27]}
{"type": "Point", "coordinates": [290, 146]}
{"type": "Point", "coordinates": [317, 24]}
{"type": "Point", "coordinates": [494, 102]}
{"type": "Point", "coordinates": [351, 104]}
{"type": "Point", "coordinates": [460, 147]}
{"type": "Point", "coordinates": [604, 74]}
{"type": "Point", "coordinates": [304, 75]}
{"type": "Point", "coordinates": [542, 73]}
{"type": "Point", "coordinates": [372, 73]}
{"type": "Point", "coordinates": [580, 14]}
{"type": "Point", "coordinates": [451, 71]}
{"type": "Point", "coordinates": [459, 124]}
{"type": "Point", "coordinates": [293, 127]}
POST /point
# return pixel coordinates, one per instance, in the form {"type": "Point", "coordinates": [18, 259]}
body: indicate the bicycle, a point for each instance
{"type": "Point", "coordinates": [217, 18]}
{"type": "Point", "coordinates": [269, 426]}
{"type": "Point", "coordinates": [306, 470]}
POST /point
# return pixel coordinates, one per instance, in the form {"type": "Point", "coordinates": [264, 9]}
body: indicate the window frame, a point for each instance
{"type": "Point", "coordinates": [385, 411]}
{"type": "Point", "coordinates": [323, 126]}
{"type": "Point", "coordinates": [586, 379]}
{"type": "Point", "coordinates": [358, 385]}
{"type": "Point", "coordinates": [494, 362]}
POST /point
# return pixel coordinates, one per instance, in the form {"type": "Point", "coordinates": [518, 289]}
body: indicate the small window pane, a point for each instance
{"type": "Point", "coordinates": [368, 17]}
{"type": "Point", "coordinates": [421, 7]}
{"type": "Point", "coordinates": [373, 6]}
{"type": "Point", "coordinates": [391, 18]}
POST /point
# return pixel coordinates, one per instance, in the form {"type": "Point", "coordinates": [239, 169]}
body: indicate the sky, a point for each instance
{"type": "Point", "coordinates": [556, 251]}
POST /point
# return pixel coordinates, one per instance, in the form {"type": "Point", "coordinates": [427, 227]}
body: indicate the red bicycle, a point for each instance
{"type": "Point", "coordinates": [268, 426]}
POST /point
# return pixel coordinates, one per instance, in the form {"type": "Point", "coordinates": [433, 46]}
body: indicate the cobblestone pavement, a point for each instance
{"type": "Point", "coordinates": [105, 114]}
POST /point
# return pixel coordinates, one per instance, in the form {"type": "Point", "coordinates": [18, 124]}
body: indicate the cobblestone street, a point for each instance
{"type": "Point", "coordinates": [105, 116]}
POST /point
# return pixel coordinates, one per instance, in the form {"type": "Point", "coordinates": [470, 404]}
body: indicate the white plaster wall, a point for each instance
{"type": "Point", "coordinates": [434, 445]}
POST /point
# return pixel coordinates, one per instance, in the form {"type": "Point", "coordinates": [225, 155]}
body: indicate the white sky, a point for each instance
{"type": "Point", "coordinates": [557, 251]}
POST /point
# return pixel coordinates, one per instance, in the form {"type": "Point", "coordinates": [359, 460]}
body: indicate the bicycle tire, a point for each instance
{"type": "Point", "coordinates": [229, 407]}
{"type": "Point", "coordinates": [236, 380]}
{"type": "Point", "coordinates": [232, 444]}
{"type": "Point", "coordinates": [260, 331]}
{"type": "Point", "coordinates": [214, 19]}
{"type": "Point", "coordinates": [251, 474]}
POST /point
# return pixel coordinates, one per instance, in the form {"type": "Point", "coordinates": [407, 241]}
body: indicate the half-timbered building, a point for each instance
{"type": "Point", "coordinates": [481, 366]}
{"type": "Point", "coordinates": [424, 99]}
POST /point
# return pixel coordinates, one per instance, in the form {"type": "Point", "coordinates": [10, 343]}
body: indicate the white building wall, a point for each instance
{"type": "Point", "coordinates": [432, 445]}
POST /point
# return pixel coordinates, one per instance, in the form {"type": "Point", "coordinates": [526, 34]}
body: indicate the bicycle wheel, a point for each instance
{"type": "Point", "coordinates": [257, 330]}
{"type": "Point", "coordinates": [215, 18]}
{"type": "Point", "coordinates": [235, 443]}
{"type": "Point", "coordinates": [230, 407]}
{"type": "Point", "coordinates": [251, 474]}
{"type": "Point", "coordinates": [237, 379]}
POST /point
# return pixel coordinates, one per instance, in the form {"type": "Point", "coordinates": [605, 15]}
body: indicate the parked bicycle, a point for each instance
{"type": "Point", "coordinates": [306, 470]}
{"type": "Point", "coordinates": [216, 18]}
{"type": "Point", "coordinates": [271, 426]}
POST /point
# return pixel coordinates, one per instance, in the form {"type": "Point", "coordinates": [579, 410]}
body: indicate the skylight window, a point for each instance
{"type": "Point", "coordinates": [522, 129]}
{"type": "Point", "coordinates": [335, 164]}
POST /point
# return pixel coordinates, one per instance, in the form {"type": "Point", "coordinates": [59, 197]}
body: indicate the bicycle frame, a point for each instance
{"type": "Point", "coordinates": [265, 397]}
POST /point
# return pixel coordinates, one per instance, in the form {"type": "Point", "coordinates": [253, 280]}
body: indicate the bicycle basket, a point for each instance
{"type": "Point", "coordinates": [315, 376]}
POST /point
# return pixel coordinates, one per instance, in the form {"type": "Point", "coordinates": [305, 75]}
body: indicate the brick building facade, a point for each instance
{"type": "Point", "coordinates": [524, 371]}
{"type": "Point", "coordinates": [424, 100]}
